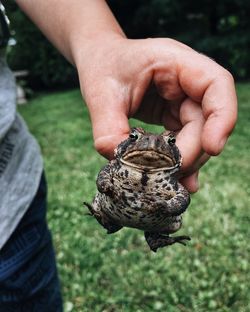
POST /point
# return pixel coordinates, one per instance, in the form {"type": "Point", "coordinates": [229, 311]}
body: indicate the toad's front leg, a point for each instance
{"type": "Point", "coordinates": [97, 209]}
{"type": "Point", "coordinates": [104, 180]}
{"type": "Point", "coordinates": [177, 204]}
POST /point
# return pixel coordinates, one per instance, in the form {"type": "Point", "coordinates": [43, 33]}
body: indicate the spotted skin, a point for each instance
{"type": "Point", "coordinates": [156, 240]}
{"type": "Point", "coordinates": [139, 189]}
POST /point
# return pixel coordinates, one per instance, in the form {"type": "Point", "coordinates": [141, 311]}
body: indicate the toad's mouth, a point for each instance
{"type": "Point", "coordinates": [149, 159]}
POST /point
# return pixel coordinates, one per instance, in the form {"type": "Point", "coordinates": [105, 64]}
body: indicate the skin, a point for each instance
{"type": "Point", "coordinates": [139, 189]}
{"type": "Point", "coordinates": [159, 80]}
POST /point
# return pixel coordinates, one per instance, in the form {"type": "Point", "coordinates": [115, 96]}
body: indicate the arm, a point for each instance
{"type": "Point", "coordinates": [71, 25]}
{"type": "Point", "coordinates": [157, 80]}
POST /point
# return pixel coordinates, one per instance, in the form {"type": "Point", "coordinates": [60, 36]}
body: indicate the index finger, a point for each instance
{"type": "Point", "coordinates": [219, 106]}
{"type": "Point", "coordinates": [206, 82]}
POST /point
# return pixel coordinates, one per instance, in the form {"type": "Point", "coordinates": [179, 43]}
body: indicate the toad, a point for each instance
{"type": "Point", "coordinates": [139, 189]}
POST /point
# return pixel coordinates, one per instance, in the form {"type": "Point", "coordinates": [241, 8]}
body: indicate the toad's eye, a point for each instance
{"type": "Point", "coordinates": [133, 136]}
{"type": "Point", "coordinates": [171, 141]}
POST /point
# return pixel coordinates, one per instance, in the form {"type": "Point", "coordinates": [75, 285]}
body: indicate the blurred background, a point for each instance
{"type": "Point", "coordinates": [219, 29]}
{"type": "Point", "coordinates": [113, 273]}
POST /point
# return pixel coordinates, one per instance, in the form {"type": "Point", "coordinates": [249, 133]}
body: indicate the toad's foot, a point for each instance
{"type": "Point", "coordinates": [156, 240]}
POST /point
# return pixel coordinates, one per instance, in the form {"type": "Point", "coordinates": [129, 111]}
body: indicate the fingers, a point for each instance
{"type": "Point", "coordinates": [109, 122]}
{"type": "Point", "coordinates": [179, 70]}
{"type": "Point", "coordinates": [209, 113]}
{"type": "Point", "coordinates": [191, 182]}
{"type": "Point", "coordinates": [220, 110]}
{"type": "Point", "coordinates": [206, 82]}
{"type": "Point", "coordinates": [189, 138]}
{"type": "Point", "coordinates": [189, 141]}
{"type": "Point", "coordinates": [189, 178]}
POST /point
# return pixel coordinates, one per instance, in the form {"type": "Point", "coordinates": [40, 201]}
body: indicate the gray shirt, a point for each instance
{"type": "Point", "coordinates": [20, 158]}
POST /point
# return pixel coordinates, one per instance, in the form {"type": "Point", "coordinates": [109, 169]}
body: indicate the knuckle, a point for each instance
{"type": "Point", "coordinates": [227, 75]}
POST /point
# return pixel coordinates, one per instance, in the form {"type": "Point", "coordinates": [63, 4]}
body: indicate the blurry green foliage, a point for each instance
{"type": "Point", "coordinates": [118, 272]}
{"type": "Point", "coordinates": [32, 52]}
{"type": "Point", "coordinates": [220, 29]}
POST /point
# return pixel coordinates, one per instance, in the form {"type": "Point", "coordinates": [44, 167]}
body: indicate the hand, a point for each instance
{"type": "Point", "coordinates": [157, 80]}
{"type": "Point", "coordinates": [160, 81]}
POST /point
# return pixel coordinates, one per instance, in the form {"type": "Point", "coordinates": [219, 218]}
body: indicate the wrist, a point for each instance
{"type": "Point", "coordinates": [94, 27]}
{"type": "Point", "coordinates": [94, 46]}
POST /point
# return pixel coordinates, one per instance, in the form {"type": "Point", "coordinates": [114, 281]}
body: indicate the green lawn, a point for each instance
{"type": "Point", "coordinates": [118, 272]}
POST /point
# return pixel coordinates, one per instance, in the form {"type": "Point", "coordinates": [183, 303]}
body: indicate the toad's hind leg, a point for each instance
{"type": "Point", "coordinates": [108, 224]}
{"type": "Point", "coordinates": [157, 240]}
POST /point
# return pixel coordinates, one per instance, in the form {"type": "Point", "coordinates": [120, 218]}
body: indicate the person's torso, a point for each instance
{"type": "Point", "coordinates": [20, 158]}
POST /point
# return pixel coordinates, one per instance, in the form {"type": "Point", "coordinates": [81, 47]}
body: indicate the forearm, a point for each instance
{"type": "Point", "coordinates": [70, 25]}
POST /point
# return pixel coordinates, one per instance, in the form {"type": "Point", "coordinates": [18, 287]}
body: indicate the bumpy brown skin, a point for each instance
{"type": "Point", "coordinates": [139, 189]}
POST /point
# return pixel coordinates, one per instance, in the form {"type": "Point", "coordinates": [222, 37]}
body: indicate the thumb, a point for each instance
{"type": "Point", "coordinates": [109, 123]}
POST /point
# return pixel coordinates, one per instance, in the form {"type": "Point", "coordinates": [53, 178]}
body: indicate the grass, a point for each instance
{"type": "Point", "coordinates": [118, 272]}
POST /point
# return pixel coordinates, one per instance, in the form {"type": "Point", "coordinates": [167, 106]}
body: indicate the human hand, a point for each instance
{"type": "Point", "coordinates": [160, 81]}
